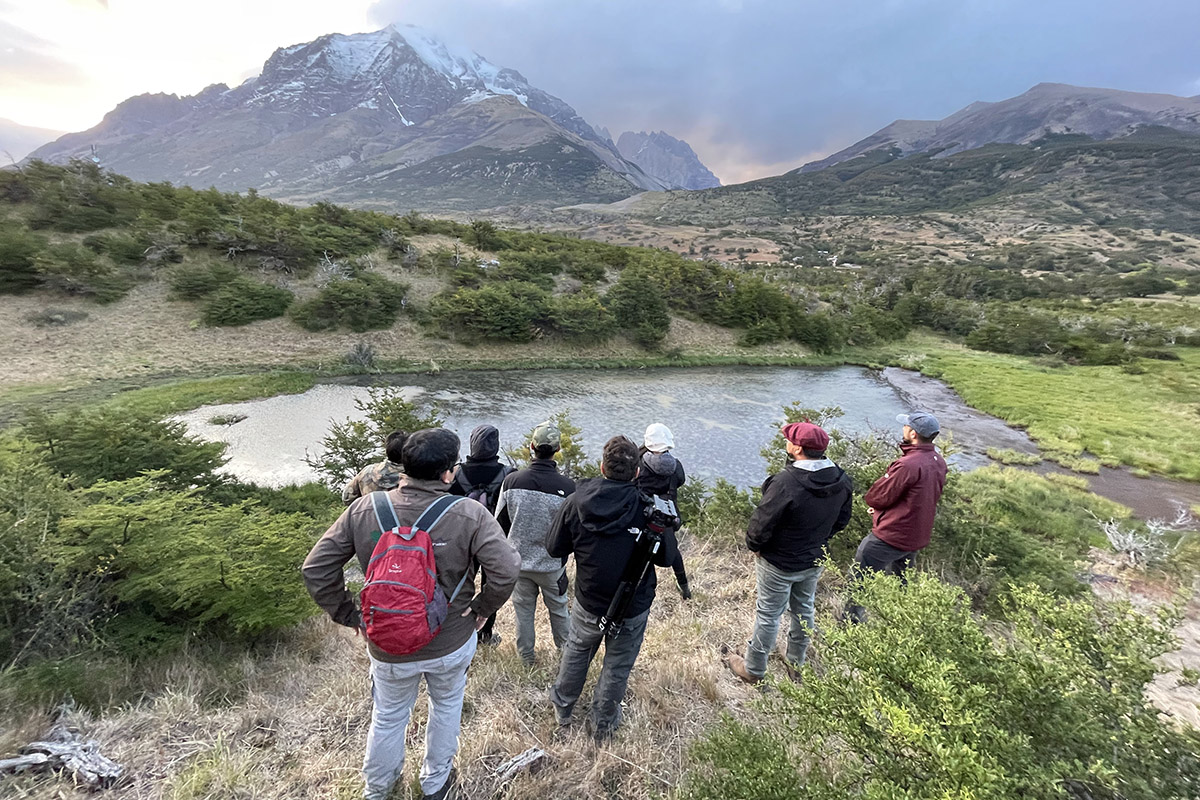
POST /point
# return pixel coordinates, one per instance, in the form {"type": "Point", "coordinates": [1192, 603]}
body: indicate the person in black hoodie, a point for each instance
{"type": "Point", "coordinates": [661, 473]}
{"type": "Point", "coordinates": [480, 478]}
{"type": "Point", "coordinates": [802, 507]}
{"type": "Point", "coordinates": [595, 524]}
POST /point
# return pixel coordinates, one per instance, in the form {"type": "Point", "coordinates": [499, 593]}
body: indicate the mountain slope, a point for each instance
{"type": "Point", "coordinates": [1150, 178]}
{"type": "Point", "coordinates": [668, 159]}
{"type": "Point", "coordinates": [1047, 108]}
{"type": "Point", "coordinates": [17, 140]}
{"type": "Point", "coordinates": [322, 112]}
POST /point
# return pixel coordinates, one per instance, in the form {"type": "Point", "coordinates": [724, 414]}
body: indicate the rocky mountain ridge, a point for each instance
{"type": "Point", "coordinates": [1046, 109]}
{"type": "Point", "coordinates": [668, 159]}
{"type": "Point", "coordinates": [356, 117]}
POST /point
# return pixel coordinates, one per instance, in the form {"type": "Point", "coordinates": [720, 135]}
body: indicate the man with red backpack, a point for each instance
{"type": "Point", "coordinates": [412, 633]}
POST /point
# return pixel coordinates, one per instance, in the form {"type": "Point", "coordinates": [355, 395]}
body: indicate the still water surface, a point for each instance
{"type": "Point", "coordinates": [721, 417]}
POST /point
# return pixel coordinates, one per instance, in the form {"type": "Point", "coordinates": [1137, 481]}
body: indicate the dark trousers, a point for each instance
{"type": "Point", "coordinates": [620, 651]}
{"type": "Point", "coordinates": [878, 556]}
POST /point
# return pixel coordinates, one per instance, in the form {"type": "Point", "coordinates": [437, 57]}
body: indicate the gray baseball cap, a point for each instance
{"type": "Point", "coordinates": [926, 425]}
{"type": "Point", "coordinates": [547, 434]}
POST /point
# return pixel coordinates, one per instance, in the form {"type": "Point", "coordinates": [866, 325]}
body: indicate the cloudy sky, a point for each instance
{"type": "Point", "coordinates": [755, 86]}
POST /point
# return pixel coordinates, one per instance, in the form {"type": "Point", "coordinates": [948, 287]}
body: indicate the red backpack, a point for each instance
{"type": "Point", "coordinates": [403, 607]}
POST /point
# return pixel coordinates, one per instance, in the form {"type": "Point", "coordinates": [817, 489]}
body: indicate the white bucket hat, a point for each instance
{"type": "Point", "coordinates": [659, 438]}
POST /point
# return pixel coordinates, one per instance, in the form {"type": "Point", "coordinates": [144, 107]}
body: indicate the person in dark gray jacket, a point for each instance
{"type": "Point", "coordinates": [529, 499]}
{"type": "Point", "coordinates": [802, 507]}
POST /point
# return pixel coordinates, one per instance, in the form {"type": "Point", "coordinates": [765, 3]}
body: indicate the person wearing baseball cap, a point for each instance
{"type": "Point", "coordinates": [903, 502]}
{"type": "Point", "coordinates": [802, 508]}
{"type": "Point", "coordinates": [529, 499]}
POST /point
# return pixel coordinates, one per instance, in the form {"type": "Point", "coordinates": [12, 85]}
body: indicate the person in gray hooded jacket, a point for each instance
{"type": "Point", "coordinates": [529, 500]}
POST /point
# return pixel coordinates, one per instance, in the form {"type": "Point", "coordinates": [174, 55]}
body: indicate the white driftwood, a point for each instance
{"type": "Point", "coordinates": [530, 761]}
{"type": "Point", "coordinates": [64, 749]}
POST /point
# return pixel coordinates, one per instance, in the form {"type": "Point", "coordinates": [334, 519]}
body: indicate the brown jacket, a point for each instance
{"type": "Point", "coordinates": [467, 537]}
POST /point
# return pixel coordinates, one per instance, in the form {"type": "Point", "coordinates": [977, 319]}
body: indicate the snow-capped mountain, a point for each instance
{"type": "Point", "coordinates": [395, 118]}
{"type": "Point", "coordinates": [670, 160]}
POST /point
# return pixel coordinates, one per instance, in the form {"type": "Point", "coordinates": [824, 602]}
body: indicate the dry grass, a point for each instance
{"type": "Point", "coordinates": [293, 723]}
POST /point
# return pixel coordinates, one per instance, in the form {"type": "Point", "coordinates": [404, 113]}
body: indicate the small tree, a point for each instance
{"type": "Point", "coordinates": [571, 458]}
{"type": "Point", "coordinates": [352, 444]}
{"type": "Point", "coordinates": [637, 302]}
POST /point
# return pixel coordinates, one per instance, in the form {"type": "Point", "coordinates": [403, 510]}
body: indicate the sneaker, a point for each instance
{"type": "Point", "coordinates": [491, 640]}
{"type": "Point", "coordinates": [793, 671]}
{"type": "Point", "coordinates": [449, 790]}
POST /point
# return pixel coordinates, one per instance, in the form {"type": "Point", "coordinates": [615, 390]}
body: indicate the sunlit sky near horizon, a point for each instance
{"type": "Point", "coordinates": [757, 87]}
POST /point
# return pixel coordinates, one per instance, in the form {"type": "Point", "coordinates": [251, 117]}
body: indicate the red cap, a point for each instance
{"type": "Point", "coordinates": [806, 434]}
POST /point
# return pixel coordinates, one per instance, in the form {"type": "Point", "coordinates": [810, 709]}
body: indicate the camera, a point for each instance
{"type": "Point", "coordinates": [660, 513]}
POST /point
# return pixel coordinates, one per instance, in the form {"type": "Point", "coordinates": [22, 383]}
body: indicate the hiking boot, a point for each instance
{"type": "Point", "coordinates": [737, 665]}
{"type": "Point", "coordinates": [491, 639]}
{"type": "Point", "coordinates": [793, 671]}
{"type": "Point", "coordinates": [449, 790]}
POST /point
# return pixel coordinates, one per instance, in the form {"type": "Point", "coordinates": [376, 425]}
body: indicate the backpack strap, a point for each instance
{"type": "Point", "coordinates": [429, 517]}
{"type": "Point", "coordinates": [385, 515]}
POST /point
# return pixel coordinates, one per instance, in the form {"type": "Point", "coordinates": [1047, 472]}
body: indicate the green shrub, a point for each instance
{"type": "Point", "coordinates": [19, 255]}
{"type": "Point", "coordinates": [244, 301]}
{"type": "Point", "coordinates": [944, 704]}
{"type": "Point", "coordinates": [73, 269]}
{"type": "Point", "coordinates": [571, 458]}
{"type": "Point", "coordinates": [110, 444]}
{"type": "Point", "coordinates": [189, 283]}
{"type": "Point", "coordinates": [582, 317]}
{"type": "Point", "coordinates": [352, 444]}
{"type": "Point", "coordinates": [502, 312]}
{"type": "Point", "coordinates": [636, 301]}
{"type": "Point", "coordinates": [362, 303]}
{"type": "Point", "coordinates": [122, 248]}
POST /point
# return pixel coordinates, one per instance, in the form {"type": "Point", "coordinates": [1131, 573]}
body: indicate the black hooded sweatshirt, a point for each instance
{"type": "Point", "coordinates": [799, 512]}
{"type": "Point", "coordinates": [482, 469]}
{"type": "Point", "coordinates": [594, 524]}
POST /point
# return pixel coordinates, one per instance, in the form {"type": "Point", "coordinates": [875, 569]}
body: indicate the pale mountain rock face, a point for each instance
{"type": "Point", "coordinates": [1048, 108]}
{"type": "Point", "coordinates": [666, 158]}
{"type": "Point", "coordinates": [332, 116]}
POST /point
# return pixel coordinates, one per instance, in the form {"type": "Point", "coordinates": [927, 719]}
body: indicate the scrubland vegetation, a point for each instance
{"type": "Point", "coordinates": [166, 601]}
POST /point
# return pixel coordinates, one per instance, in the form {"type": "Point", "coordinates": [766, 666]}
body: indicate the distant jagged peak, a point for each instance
{"type": "Point", "coordinates": [670, 160]}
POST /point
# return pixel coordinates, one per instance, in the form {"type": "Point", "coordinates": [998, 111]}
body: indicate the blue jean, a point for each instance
{"type": "Point", "coordinates": [620, 651]}
{"type": "Point", "coordinates": [393, 693]}
{"type": "Point", "coordinates": [778, 591]}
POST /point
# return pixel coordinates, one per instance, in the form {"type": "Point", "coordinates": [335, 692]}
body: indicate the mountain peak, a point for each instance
{"type": "Point", "coordinates": [1047, 108]}
{"type": "Point", "coordinates": [666, 158]}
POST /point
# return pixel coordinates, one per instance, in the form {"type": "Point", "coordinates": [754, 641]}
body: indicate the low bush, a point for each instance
{"type": "Point", "coordinates": [582, 317]}
{"type": "Point", "coordinates": [362, 303]}
{"type": "Point", "coordinates": [73, 269]}
{"type": "Point", "coordinates": [244, 301]}
{"type": "Point", "coordinates": [196, 283]}
{"type": "Point", "coordinates": [946, 704]}
{"type": "Point", "coordinates": [501, 312]}
{"type": "Point", "coordinates": [19, 253]}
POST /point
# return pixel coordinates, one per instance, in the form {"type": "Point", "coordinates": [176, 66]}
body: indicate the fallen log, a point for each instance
{"type": "Point", "coordinates": [64, 749]}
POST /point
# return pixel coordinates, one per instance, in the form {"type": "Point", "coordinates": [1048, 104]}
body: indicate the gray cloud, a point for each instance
{"type": "Point", "coordinates": [27, 60]}
{"type": "Point", "coordinates": [759, 85]}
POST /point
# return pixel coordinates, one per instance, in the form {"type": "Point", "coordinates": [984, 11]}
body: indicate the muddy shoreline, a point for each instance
{"type": "Point", "coordinates": [1152, 497]}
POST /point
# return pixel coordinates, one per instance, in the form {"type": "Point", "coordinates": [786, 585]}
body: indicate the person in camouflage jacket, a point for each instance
{"type": "Point", "coordinates": [379, 477]}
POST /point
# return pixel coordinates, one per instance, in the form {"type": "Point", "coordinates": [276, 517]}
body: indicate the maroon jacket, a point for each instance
{"type": "Point", "coordinates": [905, 499]}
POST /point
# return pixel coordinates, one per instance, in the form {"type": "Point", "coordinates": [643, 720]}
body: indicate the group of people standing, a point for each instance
{"type": "Point", "coordinates": [515, 530]}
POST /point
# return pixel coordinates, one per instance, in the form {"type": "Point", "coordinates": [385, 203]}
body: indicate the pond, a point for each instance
{"type": "Point", "coordinates": [721, 417]}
